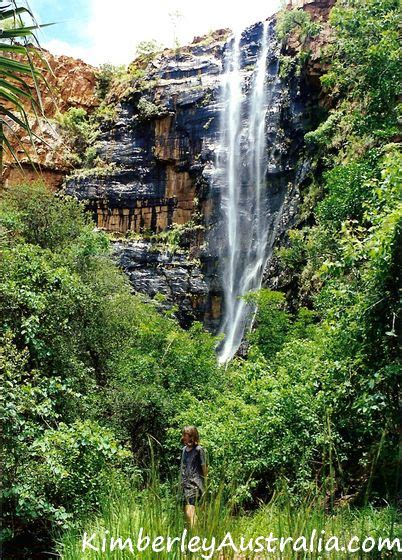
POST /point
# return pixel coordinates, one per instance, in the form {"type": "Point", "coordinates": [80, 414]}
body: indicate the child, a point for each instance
{"type": "Point", "coordinates": [193, 470]}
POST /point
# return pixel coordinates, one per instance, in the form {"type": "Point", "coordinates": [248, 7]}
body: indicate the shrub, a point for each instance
{"type": "Point", "coordinates": [78, 133]}
{"type": "Point", "coordinates": [35, 215]}
{"type": "Point", "coordinates": [290, 21]}
{"type": "Point", "coordinates": [147, 49]}
{"type": "Point", "coordinates": [147, 110]}
{"type": "Point", "coordinates": [74, 363]}
{"type": "Point", "coordinates": [105, 76]}
{"type": "Point", "coordinates": [272, 322]}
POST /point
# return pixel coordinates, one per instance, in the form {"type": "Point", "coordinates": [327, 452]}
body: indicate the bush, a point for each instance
{"type": "Point", "coordinates": [77, 133]}
{"type": "Point", "coordinates": [299, 21]}
{"type": "Point", "coordinates": [265, 421]}
{"type": "Point", "coordinates": [148, 110]}
{"type": "Point", "coordinates": [65, 473]}
{"type": "Point", "coordinates": [347, 189]}
{"type": "Point", "coordinates": [147, 49]}
{"type": "Point", "coordinates": [34, 215]}
{"type": "Point", "coordinates": [73, 465]}
{"type": "Point", "coordinates": [272, 322]}
{"type": "Point", "coordinates": [347, 260]}
{"type": "Point", "coordinates": [105, 76]}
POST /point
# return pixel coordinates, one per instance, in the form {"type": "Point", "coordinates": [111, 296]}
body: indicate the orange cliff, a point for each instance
{"type": "Point", "coordinates": [68, 83]}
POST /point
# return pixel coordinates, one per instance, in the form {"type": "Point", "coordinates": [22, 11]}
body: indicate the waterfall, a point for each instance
{"type": "Point", "coordinates": [241, 165]}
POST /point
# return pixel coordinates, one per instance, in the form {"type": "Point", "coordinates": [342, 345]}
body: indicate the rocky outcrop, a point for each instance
{"type": "Point", "coordinates": [72, 83]}
{"type": "Point", "coordinates": [161, 152]}
{"type": "Point", "coordinates": [67, 83]}
{"type": "Point", "coordinates": [158, 144]}
{"type": "Point", "coordinates": [312, 49]}
{"type": "Point", "coordinates": [172, 278]}
{"type": "Point", "coordinates": [318, 9]}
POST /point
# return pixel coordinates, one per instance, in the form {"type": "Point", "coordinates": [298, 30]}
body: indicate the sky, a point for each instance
{"type": "Point", "coordinates": [107, 31]}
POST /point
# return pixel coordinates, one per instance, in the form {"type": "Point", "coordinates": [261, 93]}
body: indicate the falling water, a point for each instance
{"type": "Point", "coordinates": [243, 190]}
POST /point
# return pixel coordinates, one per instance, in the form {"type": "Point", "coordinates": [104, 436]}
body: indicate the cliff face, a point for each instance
{"type": "Point", "coordinates": [157, 191]}
{"type": "Point", "coordinates": [162, 149]}
{"type": "Point", "coordinates": [158, 144]}
{"type": "Point", "coordinates": [161, 144]}
{"type": "Point", "coordinates": [68, 83]}
{"type": "Point", "coordinates": [318, 9]}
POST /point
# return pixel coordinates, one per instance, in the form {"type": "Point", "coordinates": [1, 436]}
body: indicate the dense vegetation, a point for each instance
{"type": "Point", "coordinates": [158, 514]}
{"type": "Point", "coordinates": [96, 377]}
{"type": "Point", "coordinates": [86, 363]}
{"type": "Point", "coordinates": [318, 395]}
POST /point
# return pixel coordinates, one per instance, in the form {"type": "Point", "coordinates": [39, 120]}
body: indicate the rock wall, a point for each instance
{"type": "Point", "coordinates": [161, 153]}
{"type": "Point", "coordinates": [68, 83]}
{"type": "Point", "coordinates": [172, 278]}
{"type": "Point", "coordinates": [159, 165]}
{"type": "Point", "coordinates": [318, 9]}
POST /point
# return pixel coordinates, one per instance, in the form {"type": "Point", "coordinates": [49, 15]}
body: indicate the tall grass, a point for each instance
{"type": "Point", "coordinates": [159, 513]}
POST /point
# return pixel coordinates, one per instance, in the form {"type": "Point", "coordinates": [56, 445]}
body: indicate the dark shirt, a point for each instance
{"type": "Point", "coordinates": [192, 462]}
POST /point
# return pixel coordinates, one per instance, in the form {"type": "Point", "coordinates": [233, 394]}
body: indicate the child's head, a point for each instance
{"type": "Point", "coordinates": [190, 435]}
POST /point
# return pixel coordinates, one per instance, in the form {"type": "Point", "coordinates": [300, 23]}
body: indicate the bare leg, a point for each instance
{"type": "Point", "coordinates": [191, 518]}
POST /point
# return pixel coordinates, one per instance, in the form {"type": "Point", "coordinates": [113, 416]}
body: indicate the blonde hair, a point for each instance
{"type": "Point", "coordinates": [193, 433]}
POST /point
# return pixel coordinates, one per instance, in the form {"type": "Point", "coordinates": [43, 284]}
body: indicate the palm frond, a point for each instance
{"type": "Point", "coordinates": [20, 74]}
{"type": "Point", "coordinates": [7, 13]}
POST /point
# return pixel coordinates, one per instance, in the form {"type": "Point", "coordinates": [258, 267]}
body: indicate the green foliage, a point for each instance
{"type": "Point", "coordinates": [85, 362]}
{"type": "Point", "coordinates": [347, 188]}
{"type": "Point", "coordinates": [266, 420]}
{"type": "Point", "coordinates": [364, 79]}
{"type": "Point", "coordinates": [125, 81]}
{"type": "Point", "coordinates": [294, 255]}
{"type": "Point", "coordinates": [105, 113]}
{"type": "Point", "coordinates": [286, 66]}
{"type": "Point", "coordinates": [296, 21]}
{"type": "Point", "coordinates": [23, 216]}
{"type": "Point", "coordinates": [148, 49]}
{"type": "Point", "coordinates": [18, 37]}
{"type": "Point", "coordinates": [51, 471]}
{"type": "Point", "coordinates": [134, 80]}
{"type": "Point", "coordinates": [366, 65]}
{"type": "Point", "coordinates": [158, 513]}
{"type": "Point", "coordinates": [105, 75]}
{"type": "Point", "coordinates": [290, 66]}
{"type": "Point", "coordinates": [73, 465]}
{"type": "Point", "coordinates": [148, 110]}
{"type": "Point", "coordinates": [50, 310]}
{"type": "Point", "coordinates": [155, 366]}
{"type": "Point", "coordinates": [78, 133]}
{"type": "Point", "coordinates": [173, 238]}
{"type": "Point", "coordinates": [272, 322]}
{"type": "Point", "coordinates": [90, 368]}
{"type": "Point", "coordinates": [347, 261]}
{"type": "Point", "coordinates": [295, 24]}
{"type": "Point", "coordinates": [99, 169]}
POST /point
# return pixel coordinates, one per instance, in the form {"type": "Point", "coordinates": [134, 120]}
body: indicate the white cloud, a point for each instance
{"type": "Point", "coordinates": [116, 26]}
{"type": "Point", "coordinates": [62, 47]}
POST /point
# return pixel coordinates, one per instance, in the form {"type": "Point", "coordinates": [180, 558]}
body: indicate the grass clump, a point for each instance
{"type": "Point", "coordinates": [156, 512]}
